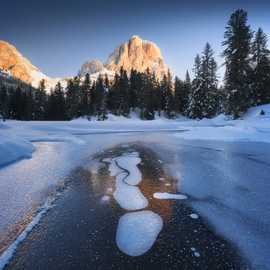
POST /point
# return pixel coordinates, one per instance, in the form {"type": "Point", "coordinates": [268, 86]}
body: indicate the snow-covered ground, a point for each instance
{"type": "Point", "coordinates": [16, 136]}
{"type": "Point", "coordinates": [222, 165]}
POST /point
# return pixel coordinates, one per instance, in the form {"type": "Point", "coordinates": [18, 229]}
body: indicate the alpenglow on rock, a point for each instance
{"type": "Point", "coordinates": [14, 63]}
{"type": "Point", "coordinates": [137, 54]}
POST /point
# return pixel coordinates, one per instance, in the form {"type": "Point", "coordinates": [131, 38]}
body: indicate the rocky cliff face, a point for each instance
{"type": "Point", "coordinates": [13, 63]}
{"type": "Point", "coordinates": [137, 54]}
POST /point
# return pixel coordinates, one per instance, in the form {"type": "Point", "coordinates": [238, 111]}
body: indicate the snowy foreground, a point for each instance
{"type": "Point", "coordinates": [222, 164]}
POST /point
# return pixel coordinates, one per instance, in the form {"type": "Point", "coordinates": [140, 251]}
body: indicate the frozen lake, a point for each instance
{"type": "Point", "coordinates": [226, 184]}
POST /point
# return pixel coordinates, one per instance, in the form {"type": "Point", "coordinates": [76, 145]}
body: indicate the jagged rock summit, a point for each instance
{"type": "Point", "coordinates": [136, 54]}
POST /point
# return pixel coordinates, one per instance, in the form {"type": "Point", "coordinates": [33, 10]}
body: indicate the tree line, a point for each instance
{"type": "Point", "coordinates": [246, 83]}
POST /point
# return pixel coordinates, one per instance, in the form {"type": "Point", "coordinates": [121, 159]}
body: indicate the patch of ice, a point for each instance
{"type": "Point", "coordinates": [128, 197]}
{"type": "Point", "coordinates": [168, 196]}
{"type": "Point", "coordinates": [137, 232]}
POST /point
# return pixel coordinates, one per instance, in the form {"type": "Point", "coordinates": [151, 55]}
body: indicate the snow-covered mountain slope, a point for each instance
{"type": "Point", "coordinates": [12, 62]}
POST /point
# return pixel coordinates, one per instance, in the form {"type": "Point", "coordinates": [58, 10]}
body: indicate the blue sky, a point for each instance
{"type": "Point", "coordinates": [58, 36]}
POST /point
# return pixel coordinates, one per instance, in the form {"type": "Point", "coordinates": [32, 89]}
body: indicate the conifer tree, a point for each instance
{"type": "Point", "coordinates": [123, 89]}
{"type": "Point", "coordinates": [133, 89]}
{"type": "Point", "coordinates": [56, 104]}
{"type": "Point", "coordinates": [237, 76]}
{"type": "Point", "coordinates": [186, 93]}
{"type": "Point", "coordinates": [147, 97]}
{"type": "Point", "coordinates": [179, 88]}
{"type": "Point", "coordinates": [196, 97]}
{"type": "Point", "coordinates": [167, 95]}
{"type": "Point", "coordinates": [86, 100]}
{"type": "Point", "coordinates": [209, 82]}
{"type": "Point", "coordinates": [100, 99]}
{"type": "Point", "coordinates": [40, 101]}
{"type": "Point", "coordinates": [261, 73]}
{"type": "Point", "coordinates": [73, 94]}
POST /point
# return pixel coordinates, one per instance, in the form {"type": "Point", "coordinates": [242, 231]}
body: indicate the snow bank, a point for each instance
{"type": "Point", "coordinates": [137, 232]}
{"type": "Point", "coordinates": [14, 148]}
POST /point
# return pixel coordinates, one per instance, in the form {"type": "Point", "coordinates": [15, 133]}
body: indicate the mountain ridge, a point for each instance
{"type": "Point", "coordinates": [135, 53]}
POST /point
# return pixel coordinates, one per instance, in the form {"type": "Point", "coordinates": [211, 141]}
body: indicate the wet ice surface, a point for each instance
{"type": "Point", "coordinates": [124, 169]}
{"type": "Point", "coordinates": [227, 184]}
{"type": "Point", "coordinates": [137, 232]}
{"type": "Point", "coordinates": [26, 184]}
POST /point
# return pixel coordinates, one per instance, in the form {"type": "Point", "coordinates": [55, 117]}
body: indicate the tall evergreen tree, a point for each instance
{"type": "Point", "coordinates": [209, 82]}
{"type": "Point", "coordinates": [147, 96]}
{"type": "Point", "coordinates": [237, 76]}
{"type": "Point", "coordinates": [86, 97]}
{"type": "Point", "coordinates": [73, 95]}
{"type": "Point", "coordinates": [40, 101]}
{"type": "Point", "coordinates": [56, 104]}
{"type": "Point", "coordinates": [186, 93]}
{"type": "Point", "coordinates": [101, 99]}
{"type": "Point", "coordinates": [197, 95]}
{"type": "Point", "coordinates": [167, 95]}
{"type": "Point", "coordinates": [261, 73]}
{"type": "Point", "coordinates": [179, 88]}
{"type": "Point", "coordinates": [133, 89]}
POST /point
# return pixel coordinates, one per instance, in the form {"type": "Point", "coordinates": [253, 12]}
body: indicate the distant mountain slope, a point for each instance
{"type": "Point", "coordinates": [136, 54]}
{"type": "Point", "coordinates": [12, 62]}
